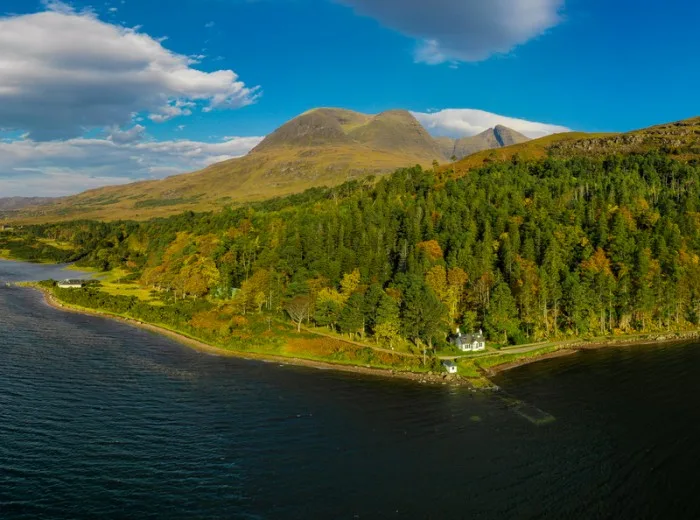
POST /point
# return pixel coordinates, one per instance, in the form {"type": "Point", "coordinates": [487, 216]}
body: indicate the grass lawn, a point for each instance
{"type": "Point", "coordinates": [111, 285]}
{"type": "Point", "coordinates": [64, 246]}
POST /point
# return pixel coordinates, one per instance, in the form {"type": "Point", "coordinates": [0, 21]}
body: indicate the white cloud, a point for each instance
{"type": "Point", "coordinates": [463, 30]}
{"type": "Point", "coordinates": [62, 72]}
{"type": "Point", "coordinates": [461, 122]}
{"type": "Point", "coordinates": [56, 168]}
{"type": "Point", "coordinates": [137, 133]}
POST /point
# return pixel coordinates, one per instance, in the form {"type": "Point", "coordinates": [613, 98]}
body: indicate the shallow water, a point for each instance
{"type": "Point", "coordinates": [99, 419]}
{"type": "Point", "coordinates": [11, 271]}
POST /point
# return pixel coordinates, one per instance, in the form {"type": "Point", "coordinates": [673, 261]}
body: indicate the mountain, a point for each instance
{"type": "Point", "coordinates": [393, 131]}
{"type": "Point", "coordinates": [15, 203]}
{"type": "Point", "coordinates": [497, 137]}
{"type": "Point", "coordinates": [323, 146]}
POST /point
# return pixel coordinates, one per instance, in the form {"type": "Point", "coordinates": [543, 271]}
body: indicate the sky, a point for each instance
{"type": "Point", "coordinates": [94, 93]}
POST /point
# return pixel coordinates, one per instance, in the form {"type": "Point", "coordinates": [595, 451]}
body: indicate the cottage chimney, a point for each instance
{"type": "Point", "coordinates": [459, 334]}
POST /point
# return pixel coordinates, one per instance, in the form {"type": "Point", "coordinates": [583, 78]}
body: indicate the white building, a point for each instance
{"type": "Point", "coordinates": [71, 284]}
{"type": "Point", "coordinates": [450, 367]}
{"type": "Point", "coordinates": [469, 342]}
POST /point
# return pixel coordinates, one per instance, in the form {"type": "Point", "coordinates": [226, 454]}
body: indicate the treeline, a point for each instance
{"type": "Point", "coordinates": [191, 317]}
{"type": "Point", "coordinates": [24, 245]}
{"type": "Point", "coordinates": [524, 250]}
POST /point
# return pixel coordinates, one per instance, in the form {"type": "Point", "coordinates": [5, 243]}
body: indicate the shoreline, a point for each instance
{"type": "Point", "coordinates": [569, 348]}
{"type": "Point", "coordinates": [565, 348]}
{"type": "Point", "coordinates": [205, 348]}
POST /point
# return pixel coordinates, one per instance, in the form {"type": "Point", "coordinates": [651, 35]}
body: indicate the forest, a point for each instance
{"type": "Point", "coordinates": [525, 250]}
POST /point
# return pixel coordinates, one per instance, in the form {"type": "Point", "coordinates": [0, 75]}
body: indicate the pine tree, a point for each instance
{"type": "Point", "coordinates": [501, 318]}
{"type": "Point", "coordinates": [351, 320]}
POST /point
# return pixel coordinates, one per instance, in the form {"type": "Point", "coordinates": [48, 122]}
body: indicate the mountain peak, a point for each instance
{"type": "Point", "coordinates": [497, 137]}
{"type": "Point", "coordinates": [313, 128]}
{"type": "Point", "coordinates": [395, 131]}
{"type": "Point", "coordinates": [507, 136]}
{"type": "Point", "coordinates": [398, 131]}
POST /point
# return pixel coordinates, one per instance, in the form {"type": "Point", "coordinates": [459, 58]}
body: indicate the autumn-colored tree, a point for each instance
{"type": "Point", "coordinates": [350, 283]}
{"type": "Point", "coordinates": [432, 249]}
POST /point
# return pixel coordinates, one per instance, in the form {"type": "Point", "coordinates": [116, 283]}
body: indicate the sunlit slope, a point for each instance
{"type": "Point", "coordinates": [322, 147]}
{"type": "Point", "coordinates": [325, 147]}
{"type": "Point", "coordinates": [680, 140]}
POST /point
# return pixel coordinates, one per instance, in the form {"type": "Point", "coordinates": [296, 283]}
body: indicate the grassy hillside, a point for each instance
{"type": "Point", "coordinates": [326, 147]}
{"type": "Point", "coordinates": [680, 140]}
{"type": "Point", "coordinates": [322, 147]}
{"type": "Point", "coordinates": [535, 149]}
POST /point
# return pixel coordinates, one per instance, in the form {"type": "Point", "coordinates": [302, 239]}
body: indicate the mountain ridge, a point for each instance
{"type": "Point", "coordinates": [496, 137]}
{"type": "Point", "coordinates": [320, 147]}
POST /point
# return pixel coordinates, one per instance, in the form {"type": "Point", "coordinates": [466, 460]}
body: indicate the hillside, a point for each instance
{"type": "Point", "coordinates": [322, 147]}
{"type": "Point", "coordinates": [15, 203]}
{"type": "Point", "coordinates": [558, 248]}
{"type": "Point", "coordinates": [325, 147]}
{"type": "Point", "coordinates": [680, 140]}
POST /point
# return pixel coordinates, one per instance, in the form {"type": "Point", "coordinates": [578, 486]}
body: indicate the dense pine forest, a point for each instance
{"type": "Point", "coordinates": [523, 250]}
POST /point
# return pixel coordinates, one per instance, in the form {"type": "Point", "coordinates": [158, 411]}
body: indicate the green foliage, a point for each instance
{"type": "Point", "coordinates": [327, 313]}
{"type": "Point", "coordinates": [351, 319]}
{"type": "Point", "coordinates": [422, 313]}
{"type": "Point", "coordinates": [159, 203]}
{"type": "Point", "coordinates": [526, 250]}
{"type": "Point", "coordinates": [501, 316]}
{"type": "Point", "coordinates": [25, 245]}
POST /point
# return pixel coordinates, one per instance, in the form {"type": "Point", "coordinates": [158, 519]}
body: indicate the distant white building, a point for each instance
{"type": "Point", "coordinates": [469, 342]}
{"type": "Point", "coordinates": [450, 367]}
{"type": "Point", "coordinates": [71, 284]}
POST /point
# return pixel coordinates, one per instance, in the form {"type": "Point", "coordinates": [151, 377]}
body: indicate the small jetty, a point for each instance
{"type": "Point", "coordinates": [528, 411]}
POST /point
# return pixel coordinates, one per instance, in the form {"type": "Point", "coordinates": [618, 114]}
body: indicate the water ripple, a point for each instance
{"type": "Point", "coordinates": [100, 420]}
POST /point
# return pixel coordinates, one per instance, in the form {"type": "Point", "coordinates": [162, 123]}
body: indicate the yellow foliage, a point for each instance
{"type": "Point", "coordinates": [331, 295]}
{"type": "Point", "coordinates": [599, 263]}
{"type": "Point", "coordinates": [432, 249]}
{"type": "Point", "coordinates": [350, 283]}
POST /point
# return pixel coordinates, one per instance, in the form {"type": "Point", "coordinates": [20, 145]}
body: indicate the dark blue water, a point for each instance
{"type": "Point", "coordinates": [101, 420]}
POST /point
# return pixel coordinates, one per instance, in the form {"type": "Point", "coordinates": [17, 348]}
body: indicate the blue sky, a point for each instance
{"type": "Point", "coordinates": [589, 65]}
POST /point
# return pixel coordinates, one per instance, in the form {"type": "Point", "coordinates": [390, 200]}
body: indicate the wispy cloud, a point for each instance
{"type": "Point", "coordinates": [57, 168]}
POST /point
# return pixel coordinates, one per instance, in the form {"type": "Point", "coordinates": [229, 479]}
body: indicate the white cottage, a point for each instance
{"type": "Point", "coordinates": [469, 342]}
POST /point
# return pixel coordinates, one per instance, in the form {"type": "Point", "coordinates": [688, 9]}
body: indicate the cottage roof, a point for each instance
{"type": "Point", "coordinates": [467, 339]}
